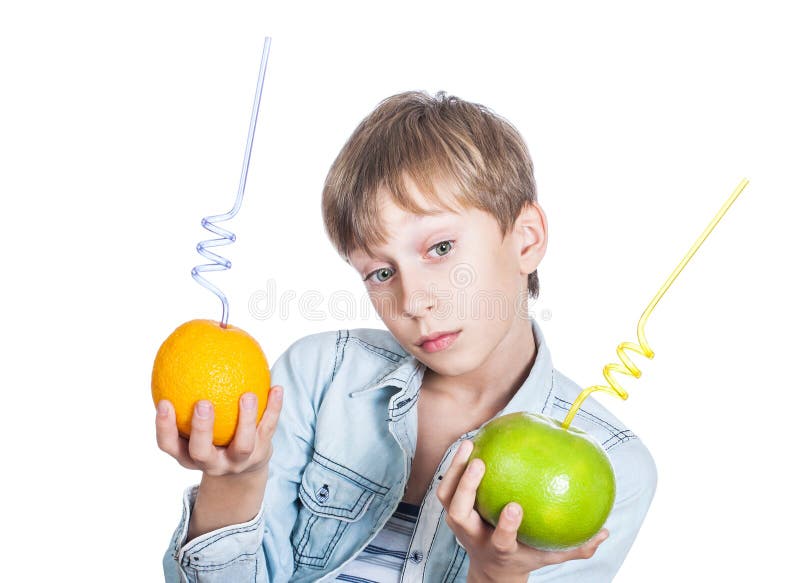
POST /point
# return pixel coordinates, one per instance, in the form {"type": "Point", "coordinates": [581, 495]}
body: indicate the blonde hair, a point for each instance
{"type": "Point", "coordinates": [428, 139]}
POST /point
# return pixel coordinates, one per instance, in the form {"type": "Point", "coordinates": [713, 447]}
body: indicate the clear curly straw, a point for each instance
{"type": "Point", "coordinates": [209, 223]}
{"type": "Point", "coordinates": [642, 347]}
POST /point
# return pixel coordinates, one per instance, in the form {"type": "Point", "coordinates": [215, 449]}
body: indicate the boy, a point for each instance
{"type": "Point", "coordinates": [357, 472]}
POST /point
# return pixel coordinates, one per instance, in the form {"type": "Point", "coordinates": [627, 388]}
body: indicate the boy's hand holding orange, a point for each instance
{"type": "Point", "coordinates": [210, 385]}
{"type": "Point", "coordinates": [249, 450]}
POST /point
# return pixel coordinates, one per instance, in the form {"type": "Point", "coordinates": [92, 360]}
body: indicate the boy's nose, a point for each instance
{"type": "Point", "coordinates": [418, 295]}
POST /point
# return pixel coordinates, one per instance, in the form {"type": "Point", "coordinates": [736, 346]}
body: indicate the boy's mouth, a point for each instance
{"type": "Point", "coordinates": [437, 340]}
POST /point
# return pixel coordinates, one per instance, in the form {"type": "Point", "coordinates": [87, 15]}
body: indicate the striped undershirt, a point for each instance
{"type": "Point", "coordinates": [383, 558]}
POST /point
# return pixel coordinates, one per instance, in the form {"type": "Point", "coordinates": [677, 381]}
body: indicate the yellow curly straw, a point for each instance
{"type": "Point", "coordinates": [643, 348]}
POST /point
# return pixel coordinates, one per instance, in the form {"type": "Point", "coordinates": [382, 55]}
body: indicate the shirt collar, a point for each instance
{"type": "Point", "coordinates": [535, 390]}
{"type": "Point", "coordinates": [531, 396]}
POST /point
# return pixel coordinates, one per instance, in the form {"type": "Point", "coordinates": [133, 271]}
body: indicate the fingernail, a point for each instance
{"type": "Point", "coordinates": [203, 409]}
{"type": "Point", "coordinates": [249, 402]}
{"type": "Point", "coordinates": [277, 392]}
{"type": "Point", "coordinates": [476, 466]}
{"type": "Point", "coordinates": [163, 409]}
{"type": "Point", "coordinates": [513, 510]}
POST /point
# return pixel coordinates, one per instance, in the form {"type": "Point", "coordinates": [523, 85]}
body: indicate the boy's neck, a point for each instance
{"type": "Point", "coordinates": [491, 385]}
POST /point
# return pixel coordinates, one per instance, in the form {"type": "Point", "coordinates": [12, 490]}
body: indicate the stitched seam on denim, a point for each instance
{"type": "Point", "coordinates": [408, 379]}
{"type": "Point", "coordinates": [358, 504]}
{"type": "Point", "coordinates": [449, 572]}
{"type": "Point", "coordinates": [588, 417]}
{"type": "Point", "coordinates": [220, 566]}
{"type": "Point", "coordinates": [301, 544]}
{"type": "Point", "coordinates": [627, 433]}
{"type": "Point", "coordinates": [620, 434]}
{"type": "Point", "coordinates": [412, 444]}
{"type": "Point", "coordinates": [192, 498]}
{"type": "Point", "coordinates": [341, 470]}
{"type": "Point", "coordinates": [206, 543]}
{"type": "Point", "coordinates": [613, 445]}
{"type": "Point", "coordinates": [398, 413]}
{"type": "Point", "coordinates": [300, 547]}
{"type": "Point", "coordinates": [403, 386]}
{"type": "Point", "coordinates": [400, 356]}
{"type": "Point", "coordinates": [334, 541]}
{"type": "Point", "coordinates": [373, 351]}
{"type": "Point", "coordinates": [219, 536]}
{"type": "Point", "coordinates": [413, 372]}
{"type": "Point", "coordinates": [177, 548]}
{"type": "Point", "coordinates": [607, 447]}
{"type": "Point", "coordinates": [379, 350]}
{"type": "Point", "coordinates": [319, 562]}
{"type": "Point", "coordinates": [406, 404]}
{"type": "Point", "coordinates": [439, 521]}
{"type": "Point", "coordinates": [591, 416]}
{"type": "Point", "coordinates": [410, 541]}
{"type": "Point", "coordinates": [346, 340]}
{"type": "Point", "coordinates": [343, 348]}
{"type": "Point", "coordinates": [380, 489]}
{"type": "Point", "coordinates": [336, 355]}
{"type": "Point", "coordinates": [461, 554]}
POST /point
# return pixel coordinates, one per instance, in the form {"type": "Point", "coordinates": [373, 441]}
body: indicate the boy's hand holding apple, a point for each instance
{"type": "Point", "coordinates": [494, 553]}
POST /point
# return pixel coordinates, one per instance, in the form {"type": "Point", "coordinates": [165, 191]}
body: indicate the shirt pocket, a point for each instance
{"type": "Point", "coordinates": [330, 502]}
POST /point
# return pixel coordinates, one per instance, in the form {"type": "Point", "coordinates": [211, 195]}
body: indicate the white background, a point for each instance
{"type": "Point", "coordinates": [122, 124]}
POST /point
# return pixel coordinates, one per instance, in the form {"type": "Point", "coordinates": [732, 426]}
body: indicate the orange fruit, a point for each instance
{"type": "Point", "coordinates": [203, 360]}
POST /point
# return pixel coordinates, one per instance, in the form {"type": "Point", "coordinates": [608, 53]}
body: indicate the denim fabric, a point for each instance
{"type": "Point", "coordinates": [342, 455]}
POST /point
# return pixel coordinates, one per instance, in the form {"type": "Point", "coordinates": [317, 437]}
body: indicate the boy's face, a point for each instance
{"type": "Point", "coordinates": [452, 272]}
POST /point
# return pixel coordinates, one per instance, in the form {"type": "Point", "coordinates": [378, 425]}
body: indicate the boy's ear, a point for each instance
{"type": "Point", "coordinates": [531, 226]}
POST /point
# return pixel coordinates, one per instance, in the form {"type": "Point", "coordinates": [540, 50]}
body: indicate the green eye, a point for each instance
{"type": "Point", "coordinates": [382, 274]}
{"type": "Point", "coordinates": [443, 248]}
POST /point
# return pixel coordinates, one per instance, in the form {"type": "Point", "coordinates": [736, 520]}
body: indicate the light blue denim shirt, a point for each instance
{"type": "Point", "coordinates": [342, 456]}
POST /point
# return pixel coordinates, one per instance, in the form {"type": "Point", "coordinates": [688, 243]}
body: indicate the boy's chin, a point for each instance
{"type": "Point", "coordinates": [448, 363]}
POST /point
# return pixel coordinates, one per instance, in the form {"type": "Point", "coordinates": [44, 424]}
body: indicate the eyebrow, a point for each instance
{"type": "Point", "coordinates": [417, 218]}
{"type": "Point", "coordinates": [430, 213]}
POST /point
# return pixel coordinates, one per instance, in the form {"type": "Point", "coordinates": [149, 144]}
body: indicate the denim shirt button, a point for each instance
{"type": "Point", "coordinates": [323, 494]}
{"type": "Point", "coordinates": [416, 557]}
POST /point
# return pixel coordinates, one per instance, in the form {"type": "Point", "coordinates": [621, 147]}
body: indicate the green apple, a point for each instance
{"type": "Point", "coordinates": [562, 479]}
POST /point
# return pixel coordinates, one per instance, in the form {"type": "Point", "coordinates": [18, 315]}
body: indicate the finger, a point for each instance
{"type": "Point", "coordinates": [597, 540]}
{"type": "Point", "coordinates": [269, 421]}
{"type": "Point", "coordinates": [461, 510]}
{"type": "Point", "coordinates": [201, 446]}
{"type": "Point", "coordinates": [166, 429]}
{"type": "Point", "coordinates": [504, 537]}
{"type": "Point", "coordinates": [585, 551]}
{"type": "Point", "coordinates": [167, 436]}
{"type": "Point", "coordinates": [447, 486]}
{"type": "Point", "coordinates": [244, 439]}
